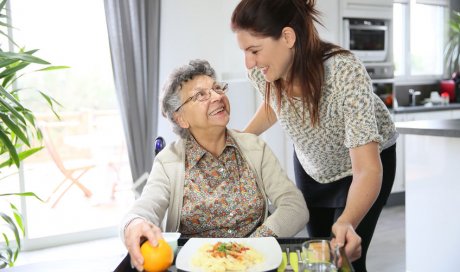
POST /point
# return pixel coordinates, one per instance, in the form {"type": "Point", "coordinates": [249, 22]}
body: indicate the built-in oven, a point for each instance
{"type": "Point", "coordinates": [382, 76]}
{"type": "Point", "coordinates": [368, 39]}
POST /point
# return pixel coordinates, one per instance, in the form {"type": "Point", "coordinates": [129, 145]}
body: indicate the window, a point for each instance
{"type": "Point", "coordinates": [87, 144]}
{"type": "Point", "coordinates": [419, 34]}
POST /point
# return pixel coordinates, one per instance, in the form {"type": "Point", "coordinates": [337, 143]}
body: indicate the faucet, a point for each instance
{"type": "Point", "coordinates": [413, 95]}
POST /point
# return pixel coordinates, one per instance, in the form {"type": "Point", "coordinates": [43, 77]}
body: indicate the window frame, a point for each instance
{"type": "Point", "coordinates": [407, 77]}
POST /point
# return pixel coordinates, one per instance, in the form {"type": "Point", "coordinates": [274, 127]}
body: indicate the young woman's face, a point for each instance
{"type": "Point", "coordinates": [203, 116]}
{"type": "Point", "coordinates": [273, 57]}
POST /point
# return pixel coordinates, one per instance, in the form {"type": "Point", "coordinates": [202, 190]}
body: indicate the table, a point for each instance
{"type": "Point", "coordinates": [291, 242]}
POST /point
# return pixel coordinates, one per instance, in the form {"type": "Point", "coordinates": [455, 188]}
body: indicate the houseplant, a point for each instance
{"type": "Point", "coordinates": [452, 49]}
{"type": "Point", "coordinates": [17, 130]}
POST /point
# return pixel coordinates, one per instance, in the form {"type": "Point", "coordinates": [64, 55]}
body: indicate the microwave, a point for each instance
{"type": "Point", "coordinates": [367, 38]}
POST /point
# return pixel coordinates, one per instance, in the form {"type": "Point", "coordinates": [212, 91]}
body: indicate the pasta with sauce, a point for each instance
{"type": "Point", "coordinates": [222, 257]}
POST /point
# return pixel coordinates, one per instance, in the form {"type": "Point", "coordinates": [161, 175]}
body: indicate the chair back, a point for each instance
{"type": "Point", "coordinates": [159, 143]}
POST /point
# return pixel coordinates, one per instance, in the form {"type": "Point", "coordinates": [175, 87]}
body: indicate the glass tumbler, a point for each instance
{"type": "Point", "coordinates": [318, 256]}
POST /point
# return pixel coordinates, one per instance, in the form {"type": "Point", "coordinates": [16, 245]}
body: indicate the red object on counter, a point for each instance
{"type": "Point", "coordinates": [448, 86]}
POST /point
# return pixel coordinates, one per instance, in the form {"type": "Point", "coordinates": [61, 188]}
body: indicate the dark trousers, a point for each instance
{"type": "Point", "coordinates": [326, 202]}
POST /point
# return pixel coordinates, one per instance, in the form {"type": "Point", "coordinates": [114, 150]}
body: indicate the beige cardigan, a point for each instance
{"type": "Point", "coordinates": [163, 192]}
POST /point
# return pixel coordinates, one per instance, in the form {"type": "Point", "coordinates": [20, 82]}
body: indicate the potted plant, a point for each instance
{"type": "Point", "coordinates": [452, 49]}
{"type": "Point", "coordinates": [17, 130]}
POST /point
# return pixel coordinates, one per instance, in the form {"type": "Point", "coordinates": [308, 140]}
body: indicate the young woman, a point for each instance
{"type": "Point", "coordinates": [344, 138]}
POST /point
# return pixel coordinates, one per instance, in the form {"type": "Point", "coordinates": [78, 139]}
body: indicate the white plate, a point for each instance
{"type": "Point", "coordinates": [267, 246]}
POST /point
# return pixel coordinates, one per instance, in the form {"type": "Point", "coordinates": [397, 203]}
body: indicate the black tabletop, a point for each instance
{"type": "Point", "coordinates": [291, 242]}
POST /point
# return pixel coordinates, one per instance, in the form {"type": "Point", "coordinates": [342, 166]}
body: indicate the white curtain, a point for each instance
{"type": "Point", "coordinates": [134, 31]}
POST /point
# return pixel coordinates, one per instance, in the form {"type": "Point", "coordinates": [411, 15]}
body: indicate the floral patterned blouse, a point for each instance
{"type": "Point", "coordinates": [221, 197]}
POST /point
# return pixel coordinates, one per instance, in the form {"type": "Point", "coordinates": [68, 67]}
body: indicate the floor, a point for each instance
{"type": "Point", "coordinates": [386, 253]}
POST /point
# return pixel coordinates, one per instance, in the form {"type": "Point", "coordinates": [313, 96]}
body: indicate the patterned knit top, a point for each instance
{"type": "Point", "coordinates": [350, 115]}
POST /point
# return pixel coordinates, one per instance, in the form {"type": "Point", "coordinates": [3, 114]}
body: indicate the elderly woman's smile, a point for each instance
{"type": "Point", "coordinates": [220, 109]}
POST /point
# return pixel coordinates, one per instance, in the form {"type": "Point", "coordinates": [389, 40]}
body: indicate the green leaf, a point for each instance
{"type": "Point", "coordinates": [16, 129]}
{"type": "Point", "coordinates": [7, 36]}
{"type": "Point", "coordinates": [2, 4]}
{"type": "Point", "coordinates": [24, 57]}
{"type": "Point", "coordinates": [12, 150]}
{"type": "Point", "coordinates": [18, 218]}
{"type": "Point", "coordinates": [22, 156]}
{"type": "Point", "coordinates": [9, 79]}
{"type": "Point", "coordinates": [12, 110]}
{"type": "Point", "coordinates": [10, 97]}
{"type": "Point", "coordinates": [5, 25]}
{"type": "Point", "coordinates": [30, 117]}
{"type": "Point", "coordinates": [23, 194]}
{"type": "Point", "coordinates": [51, 101]}
{"type": "Point", "coordinates": [51, 68]}
{"type": "Point", "coordinates": [3, 261]}
{"type": "Point", "coordinates": [13, 69]}
{"type": "Point", "coordinates": [7, 62]}
{"type": "Point", "coordinates": [13, 227]}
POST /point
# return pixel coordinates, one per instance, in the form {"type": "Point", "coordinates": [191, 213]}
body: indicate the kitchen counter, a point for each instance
{"type": "Point", "coordinates": [432, 184]}
{"type": "Point", "coordinates": [421, 108]}
{"type": "Point", "coordinates": [442, 128]}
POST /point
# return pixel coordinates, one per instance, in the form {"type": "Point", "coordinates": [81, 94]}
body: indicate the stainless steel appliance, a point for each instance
{"type": "Point", "coordinates": [367, 38]}
{"type": "Point", "coordinates": [382, 75]}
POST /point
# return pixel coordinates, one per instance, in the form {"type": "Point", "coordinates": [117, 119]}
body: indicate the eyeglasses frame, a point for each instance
{"type": "Point", "coordinates": [195, 96]}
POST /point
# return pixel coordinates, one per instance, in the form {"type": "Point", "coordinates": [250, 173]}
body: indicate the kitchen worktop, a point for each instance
{"type": "Point", "coordinates": [443, 128]}
{"type": "Point", "coordinates": [422, 108]}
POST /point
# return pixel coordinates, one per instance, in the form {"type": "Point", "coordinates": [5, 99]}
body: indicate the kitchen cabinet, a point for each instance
{"type": "Point", "coordinates": [398, 185]}
{"type": "Point", "coordinates": [381, 9]}
{"type": "Point", "coordinates": [455, 114]}
{"type": "Point", "coordinates": [431, 194]}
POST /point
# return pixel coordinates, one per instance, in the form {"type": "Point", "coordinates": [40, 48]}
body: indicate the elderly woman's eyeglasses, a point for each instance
{"type": "Point", "coordinates": [203, 94]}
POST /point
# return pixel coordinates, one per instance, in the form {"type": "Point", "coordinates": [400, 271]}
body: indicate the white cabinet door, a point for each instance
{"type": "Point", "coordinates": [329, 17]}
{"type": "Point", "coordinates": [455, 114]}
{"type": "Point", "coordinates": [370, 3]}
{"type": "Point", "coordinates": [430, 115]}
{"type": "Point", "coordinates": [398, 185]}
{"type": "Point", "coordinates": [382, 9]}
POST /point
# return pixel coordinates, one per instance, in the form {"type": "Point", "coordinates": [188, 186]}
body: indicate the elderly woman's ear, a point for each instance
{"type": "Point", "coordinates": [180, 120]}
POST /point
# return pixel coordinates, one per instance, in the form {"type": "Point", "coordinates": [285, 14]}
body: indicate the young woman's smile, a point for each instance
{"type": "Point", "coordinates": [273, 57]}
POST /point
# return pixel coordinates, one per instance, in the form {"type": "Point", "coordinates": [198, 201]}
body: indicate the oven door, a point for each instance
{"type": "Point", "coordinates": [369, 43]}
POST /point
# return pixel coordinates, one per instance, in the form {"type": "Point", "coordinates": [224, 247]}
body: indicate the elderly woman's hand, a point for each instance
{"type": "Point", "coordinates": [135, 233]}
{"type": "Point", "coordinates": [346, 236]}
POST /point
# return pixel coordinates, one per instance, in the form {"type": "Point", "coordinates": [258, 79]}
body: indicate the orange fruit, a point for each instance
{"type": "Point", "coordinates": [157, 259]}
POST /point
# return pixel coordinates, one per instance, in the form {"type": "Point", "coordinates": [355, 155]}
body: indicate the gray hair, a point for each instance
{"type": "Point", "coordinates": [170, 99]}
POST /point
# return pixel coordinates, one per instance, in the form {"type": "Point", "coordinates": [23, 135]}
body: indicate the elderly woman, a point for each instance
{"type": "Point", "coordinates": [212, 182]}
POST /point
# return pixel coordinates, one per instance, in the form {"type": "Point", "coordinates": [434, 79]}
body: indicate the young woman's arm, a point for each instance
{"type": "Point", "coordinates": [262, 120]}
{"type": "Point", "coordinates": [364, 190]}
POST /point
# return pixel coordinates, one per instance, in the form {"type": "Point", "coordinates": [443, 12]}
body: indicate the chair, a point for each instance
{"type": "Point", "coordinates": [71, 175]}
{"type": "Point", "coordinates": [140, 182]}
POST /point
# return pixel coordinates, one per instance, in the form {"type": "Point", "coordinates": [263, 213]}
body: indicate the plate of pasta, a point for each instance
{"type": "Point", "coordinates": [229, 254]}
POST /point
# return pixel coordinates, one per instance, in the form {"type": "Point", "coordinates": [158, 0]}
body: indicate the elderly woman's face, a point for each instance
{"type": "Point", "coordinates": [203, 116]}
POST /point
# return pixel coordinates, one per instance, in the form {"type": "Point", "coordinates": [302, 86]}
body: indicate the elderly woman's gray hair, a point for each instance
{"type": "Point", "coordinates": [170, 100]}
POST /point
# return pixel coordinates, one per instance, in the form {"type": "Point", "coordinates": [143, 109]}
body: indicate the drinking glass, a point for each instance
{"type": "Point", "coordinates": [317, 256]}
